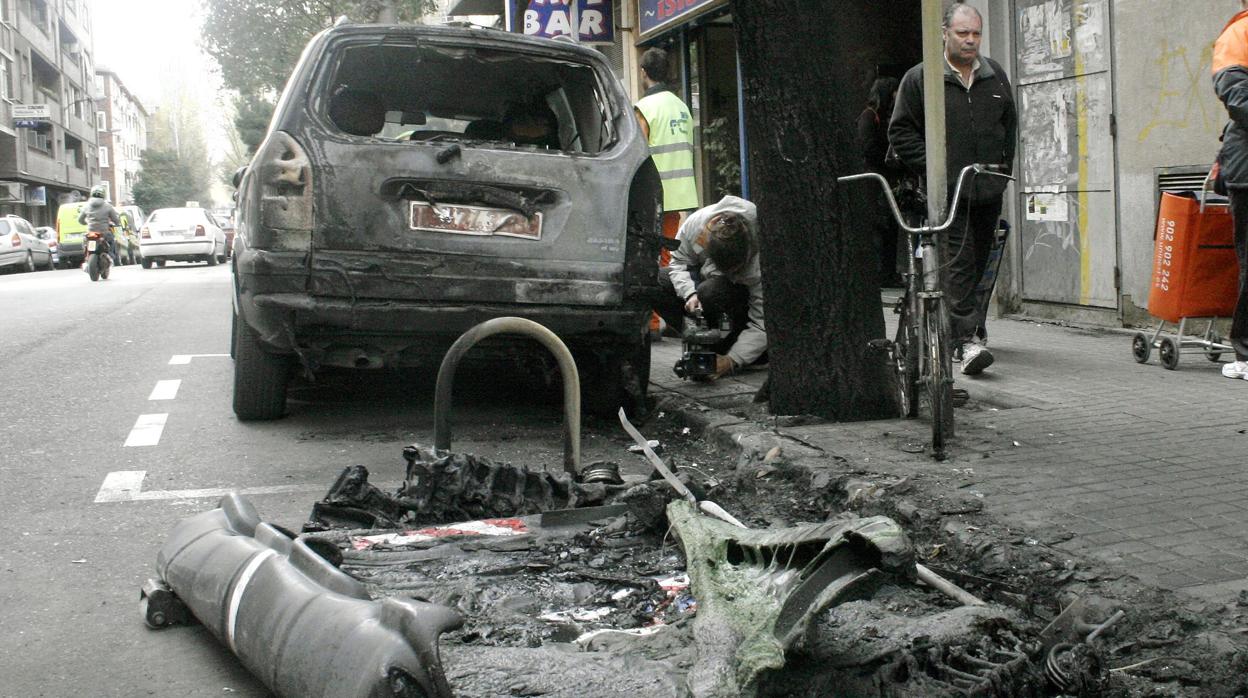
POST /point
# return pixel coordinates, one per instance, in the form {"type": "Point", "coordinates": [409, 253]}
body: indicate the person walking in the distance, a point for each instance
{"type": "Point", "coordinates": [981, 124]}
{"type": "Point", "coordinates": [667, 125]}
{"type": "Point", "coordinates": [1230, 82]}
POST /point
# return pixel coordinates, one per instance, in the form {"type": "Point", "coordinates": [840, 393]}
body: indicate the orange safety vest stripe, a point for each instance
{"type": "Point", "coordinates": [1231, 48]}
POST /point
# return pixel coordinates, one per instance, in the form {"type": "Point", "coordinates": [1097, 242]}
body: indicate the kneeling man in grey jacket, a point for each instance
{"type": "Point", "coordinates": [716, 270]}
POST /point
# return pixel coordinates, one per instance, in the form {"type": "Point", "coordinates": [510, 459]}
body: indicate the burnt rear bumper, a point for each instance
{"type": "Point", "coordinates": [340, 325]}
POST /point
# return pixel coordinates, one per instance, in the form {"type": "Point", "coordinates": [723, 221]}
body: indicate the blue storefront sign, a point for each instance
{"type": "Point", "coordinates": [551, 18]}
{"type": "Point", "coordinates": [657, 16]}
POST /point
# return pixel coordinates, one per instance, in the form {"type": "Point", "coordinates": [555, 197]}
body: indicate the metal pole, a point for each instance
{"type": "Point", "coordinates": [741, 138]}
{"type": "Point", "coordinates": [574, 13]}
{"type": "Point", "coordinates": [934, 110]}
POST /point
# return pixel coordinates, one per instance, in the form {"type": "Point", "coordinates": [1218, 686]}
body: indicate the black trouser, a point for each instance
{"type": "Point", "coordinates": [717, 294]}
{"type": "Point", "coordinates": [968, 242]}
{"type": "Point", "coordinates": [1239, 320]}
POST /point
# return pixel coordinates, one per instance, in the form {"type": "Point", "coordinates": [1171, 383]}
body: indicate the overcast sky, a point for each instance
{"type": "Point", "coordinates": [154, 47]}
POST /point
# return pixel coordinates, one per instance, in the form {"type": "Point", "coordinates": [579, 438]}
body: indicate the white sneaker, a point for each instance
{"type": "Point", "coordinates": [1236, 369]}
{"type": "Point", "coordinates": [975, 358]}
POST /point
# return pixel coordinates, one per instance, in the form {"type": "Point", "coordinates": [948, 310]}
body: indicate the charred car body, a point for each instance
{"type": "Point", "coordinates": [416, 181]}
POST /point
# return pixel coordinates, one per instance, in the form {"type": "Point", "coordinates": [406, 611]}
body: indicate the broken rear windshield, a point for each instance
{"type": "Point", "coordinates": [488, 96]}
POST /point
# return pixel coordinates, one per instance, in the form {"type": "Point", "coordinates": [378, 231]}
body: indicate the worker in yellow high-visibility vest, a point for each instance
{"type": "Point", "coordinates": [668, 127]}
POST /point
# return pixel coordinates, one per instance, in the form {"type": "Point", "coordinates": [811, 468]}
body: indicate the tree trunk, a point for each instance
{"type": "Point", "coordinates": [806, 66]}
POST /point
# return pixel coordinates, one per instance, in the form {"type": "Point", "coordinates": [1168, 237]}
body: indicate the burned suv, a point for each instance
{"type": "Point", "coordinates": [416, 181]}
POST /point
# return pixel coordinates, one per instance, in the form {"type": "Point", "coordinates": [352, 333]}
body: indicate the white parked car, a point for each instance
{"type": "Point", "coordinates": [21, 247]}
{"type": "Point", "coordinates": [48, 235]}
{"type": "Point", "coordinates": [181, 235]}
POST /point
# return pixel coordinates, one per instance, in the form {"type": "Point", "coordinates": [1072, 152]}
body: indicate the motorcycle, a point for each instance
{"type": "Point", "coordinates": [99, 260]}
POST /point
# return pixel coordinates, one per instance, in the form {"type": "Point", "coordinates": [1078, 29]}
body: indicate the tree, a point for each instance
{"type": "Point", "coordinates": [805, 68]}
{"type": "Point", "coordinates": [251, 120]}
{"type": "Point", "coordinates": [257, 42]}
{"type": "Point", "coordinates": [165, 181]}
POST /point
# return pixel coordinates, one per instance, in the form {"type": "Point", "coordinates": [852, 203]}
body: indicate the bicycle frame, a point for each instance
{"type": "Point", "coordinates": [922, 352]}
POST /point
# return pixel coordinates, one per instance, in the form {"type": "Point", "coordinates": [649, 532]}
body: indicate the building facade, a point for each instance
{"type": "Point", "coordinates": [121, 127]}
{"type": "Point", "coordinates": [47, 115]}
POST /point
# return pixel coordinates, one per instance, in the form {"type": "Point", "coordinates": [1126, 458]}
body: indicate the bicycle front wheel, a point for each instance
{"type": "Point", "coordinates": [906, 361]}
{"type": "Point", "coordinates": [939, 374]}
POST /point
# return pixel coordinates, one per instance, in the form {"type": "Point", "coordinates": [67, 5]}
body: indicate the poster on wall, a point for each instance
{"type": "Point", "coordinates": [36, 196]}
{"type": "Point", "coordinates": [657, 16]}
{"type": "Point", "coordinates": [552, 18]}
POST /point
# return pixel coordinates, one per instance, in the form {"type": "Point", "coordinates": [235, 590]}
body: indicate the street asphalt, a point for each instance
{"type": "Point", "coordinates": [1142, 468]}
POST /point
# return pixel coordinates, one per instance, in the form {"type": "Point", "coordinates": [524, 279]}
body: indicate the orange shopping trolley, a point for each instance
{"type": "Point", "coordinates": [1195, 277]}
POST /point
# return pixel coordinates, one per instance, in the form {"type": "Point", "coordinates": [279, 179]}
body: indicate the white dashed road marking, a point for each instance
{"type": "Point", "coordinates": [127, 486]}
{"type": "Point", "coordinates": [183, 359]}
{"type": "Point", "coordinates": [165, 390]}
{"type": "Point", "coordinates": [147, 430]}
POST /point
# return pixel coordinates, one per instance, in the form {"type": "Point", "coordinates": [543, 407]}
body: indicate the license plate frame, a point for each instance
{"type": "Point", "coordinates": [477, 221]}
{"type": "Point", "coordinates": [91, 245]}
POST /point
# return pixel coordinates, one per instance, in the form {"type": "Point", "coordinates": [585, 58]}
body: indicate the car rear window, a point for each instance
{"type": "Point", "coordinates": [475, 95]}
{"type": "Point", "coordinates": [5, 228]}
{"type": "Point", "coordinates": [175, 216]}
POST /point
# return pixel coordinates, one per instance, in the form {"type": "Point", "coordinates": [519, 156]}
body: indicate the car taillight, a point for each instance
{"type": "Point", "coordinates": [17, 240]}
{"type": "Point", "coordinates": [146, 233]}
{"type": "Point", "coordinates": [199, 231]}
{"type": "Point", "coordinates": [283, 184]}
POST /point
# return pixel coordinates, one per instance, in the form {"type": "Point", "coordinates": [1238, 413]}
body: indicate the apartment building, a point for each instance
{"type": "Point", "coordinates": [121, 135]}
{"type": "Point", "coordinates": [47, 109]}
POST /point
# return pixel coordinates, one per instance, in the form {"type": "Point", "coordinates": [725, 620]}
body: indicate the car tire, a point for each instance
{"type": "Point", "coordinates": [161, 263]}
{"type": "Point", "coordinates": [29, 266]}
{"type": "Point", "coordinates": [212, 257]}
{"type": "Point", "coordinates": [260, 378]}
{"type": "Point", "coordinates": [614, 379]}
{"type": "Point", "coordinates": [51, 264]}
{"type": "Point", "coordinates": [147, 263]}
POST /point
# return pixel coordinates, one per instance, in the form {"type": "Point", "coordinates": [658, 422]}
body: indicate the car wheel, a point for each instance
{"type": "Point", "coordinates": [147, 263]}
{"type": "Point", "coordinates": [259, 377]}
{"type": "Point", "coordinates": [51, 264]}
{"type": "Point", "coordinates": [616, 378]}
{"type": "Point", "coordinates": [30, 262]}
{"type": "Point", "coordinates": [161, 263]}
{"type": "Point", "coordinates": [212, 257]}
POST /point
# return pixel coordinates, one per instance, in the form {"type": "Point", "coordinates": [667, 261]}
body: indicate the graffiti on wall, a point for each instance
{"type": "Point", "coordinates": [1183, 98]}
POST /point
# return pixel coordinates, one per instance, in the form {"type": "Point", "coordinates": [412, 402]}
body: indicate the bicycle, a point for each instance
{"type": "Point", "coordinates": [921, 353]}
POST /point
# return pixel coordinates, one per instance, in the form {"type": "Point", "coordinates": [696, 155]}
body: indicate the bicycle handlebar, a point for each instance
{"type": "Point", "coordinates": [994, 170]}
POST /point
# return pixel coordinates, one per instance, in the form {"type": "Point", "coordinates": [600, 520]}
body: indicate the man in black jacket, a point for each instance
{"type": "Point", "coordinates": [981, 124]}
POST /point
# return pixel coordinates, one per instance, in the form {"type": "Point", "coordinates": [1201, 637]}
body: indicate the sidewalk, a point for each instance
{"type": "Point", "coordinates": [1146, 468]}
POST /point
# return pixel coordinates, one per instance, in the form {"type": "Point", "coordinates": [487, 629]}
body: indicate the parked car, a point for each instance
{"type": "Point", "coordinates": [69, 233]}
{"type": "Point", "coordinates": [181, 235]}
{"type": "Point", "coordinates": [21, 248]}
{"type": "Point", "coordinates": [127, 236]}
{"type": "Point", "coordinates": [418, 180]}
{"type": "Point", "coordinates": [48, 235]}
